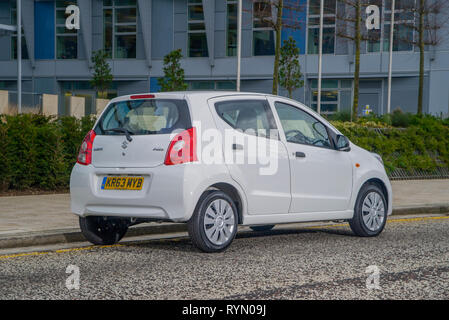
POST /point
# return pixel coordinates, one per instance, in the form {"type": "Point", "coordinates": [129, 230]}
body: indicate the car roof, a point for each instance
{"type": "Point", "coordinates": [185, 94]}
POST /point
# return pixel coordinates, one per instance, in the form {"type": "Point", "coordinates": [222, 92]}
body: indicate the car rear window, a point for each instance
{"type": "Point", "coordinates": [143, 117]}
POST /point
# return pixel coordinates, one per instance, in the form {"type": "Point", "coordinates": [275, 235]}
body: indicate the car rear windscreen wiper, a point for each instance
{"type": "Point", "coordinates": [122, 130]}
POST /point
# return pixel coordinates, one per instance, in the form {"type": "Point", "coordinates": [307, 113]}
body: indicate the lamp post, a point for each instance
{"type": "Point", "coordinates": [239, 42]}
{"type": "Point", "coordinates": [390, 66]}
{"type": "Point", "coordinates": [19, 56]}
{"type": "Point", "coordinates": [320, 57]}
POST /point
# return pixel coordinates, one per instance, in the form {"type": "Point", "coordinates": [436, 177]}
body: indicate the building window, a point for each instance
{"type": "Point", "coordinates": [197, 46]}
{"type": "Point", "coordinates": [336, 95]}
{"type": "Point", "coordinates": [212, 85]}
{"type": "Point", "coordinates": [14, 35]}
{"type": "Point", "coordinates": [120, 28]}
{"type": "Point", "coordinates": [66, 40]}
{"type": "Point", "coordinates": [402, 30]}
{"type": "Point", "coordinates": [231, 35]}
{"type": "Point", "coordinates": [374, 36]}
{"type": "Point", "coordinates": [80, 88]}
{"type": "Point", "coordinates": [404, 18]}
{"type": "Point", "coordinates": [263, 34]}
{"type": "Point", "coordinates": [330, 10]}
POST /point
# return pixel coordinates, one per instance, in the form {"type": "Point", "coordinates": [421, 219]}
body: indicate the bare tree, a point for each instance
{"type": "Point", "coordinates": [350, 26]}
{"type": "Point", "coordinates": [277, 14]}
{"type": "Point", "coordinates": [425, 18]}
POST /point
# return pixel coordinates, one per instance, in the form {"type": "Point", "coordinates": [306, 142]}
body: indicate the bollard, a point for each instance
{"type": "Point", "coordinates": [50, 104]}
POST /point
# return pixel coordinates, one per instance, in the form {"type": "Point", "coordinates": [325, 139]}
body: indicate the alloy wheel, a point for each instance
{"type": "Point", "coordinates": [373, 211]}
{"type": "Point", "coordinates": [219, 222]}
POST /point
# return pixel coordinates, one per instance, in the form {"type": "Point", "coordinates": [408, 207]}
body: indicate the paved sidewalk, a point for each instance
{"type": "Point", "coordinates": [24, 214]}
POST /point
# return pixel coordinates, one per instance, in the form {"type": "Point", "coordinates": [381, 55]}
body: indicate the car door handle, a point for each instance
{"type": "Point", "coordinates": [237, 146]}
{"type": "Point", "coordinates": [300, 154]}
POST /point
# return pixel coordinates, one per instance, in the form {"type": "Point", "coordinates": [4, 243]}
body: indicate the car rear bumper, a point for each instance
{"type": "Point", "coordinates": [163, 195]}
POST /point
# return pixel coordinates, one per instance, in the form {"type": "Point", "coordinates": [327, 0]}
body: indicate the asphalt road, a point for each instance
{"type": "Point", "coordinates": [299, 262]}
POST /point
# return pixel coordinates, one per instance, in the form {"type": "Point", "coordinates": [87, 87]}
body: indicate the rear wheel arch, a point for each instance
{"type": "Point", "coordinates": [232, 192]}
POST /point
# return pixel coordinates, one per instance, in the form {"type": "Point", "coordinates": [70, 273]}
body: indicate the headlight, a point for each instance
{"type": "Point", "coordinates": [378, 157]}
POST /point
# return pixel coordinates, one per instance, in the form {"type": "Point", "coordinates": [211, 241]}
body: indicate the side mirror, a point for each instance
{"type": "Point", "coordinates": [343, 143]}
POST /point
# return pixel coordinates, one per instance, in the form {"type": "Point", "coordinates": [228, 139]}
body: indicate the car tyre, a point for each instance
{"type": "Point", "coordinates": [262, 228]}
{"type": "Point", "coordinates": [370, 212]}
{"type": "Point", "coordinates": [103, 230]}
{"type": "Point", "coordinates": [213, 225]}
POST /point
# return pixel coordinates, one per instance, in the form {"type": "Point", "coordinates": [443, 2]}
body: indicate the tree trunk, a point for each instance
{"type": "Point", "coordinates": [357, 40]}
{"type": "Point", "coordinates": [421, 57]}
{"type": "Point", "coordinates": [290, 87]}
{"type": "Point", "coordinates": [277, 52]}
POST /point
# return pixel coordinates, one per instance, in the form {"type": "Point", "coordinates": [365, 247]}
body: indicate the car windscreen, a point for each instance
{"type": "Point", "coordinates": [144, 117]}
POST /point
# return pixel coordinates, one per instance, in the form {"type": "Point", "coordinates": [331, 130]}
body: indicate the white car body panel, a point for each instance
{"type": "Point", "coordinates": [172, 192]}
{"type": "Point", "coordinates": [325, 170]}
{"type": "Point", "coordinates": [265, 193]}
{"type": "Point", "coordinates": [139, 154]}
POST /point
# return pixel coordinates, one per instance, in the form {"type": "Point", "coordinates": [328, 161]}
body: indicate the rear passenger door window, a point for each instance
{"type": "Point", "coordinates": [253, 117]}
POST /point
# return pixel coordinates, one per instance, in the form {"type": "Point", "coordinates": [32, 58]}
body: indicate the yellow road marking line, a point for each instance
{"type": "Point", "coordinates": [388, 221]}
{"type": "Point", "coordinates": [87, 248]}
{"type": "Point", "coordinates": [25, 254]}
{"type": "Point", "coordinates": [328, 226]}
{"type": "Point", "coordinates": [418, 219]}
{"type": "Point", "coordinates": [38, 253]}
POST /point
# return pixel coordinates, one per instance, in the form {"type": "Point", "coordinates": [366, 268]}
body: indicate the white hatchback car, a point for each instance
{"type": "Point", "coordinates": [216, 160]}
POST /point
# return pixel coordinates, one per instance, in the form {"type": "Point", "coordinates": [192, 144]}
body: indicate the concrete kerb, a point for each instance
{"type": "Point", "coordinates": [430, 209]}
{"type": "Point", "coordinates": [74, 235]}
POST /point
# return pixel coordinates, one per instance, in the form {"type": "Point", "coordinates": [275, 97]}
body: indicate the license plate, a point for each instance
{"type": "Point", "coordinates": [122, 183]}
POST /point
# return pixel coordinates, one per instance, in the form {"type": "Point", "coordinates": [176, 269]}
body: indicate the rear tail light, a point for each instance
{"type": "Point", "coordinates": [182, 148]}
{"type": "Point", "coordinates": [85, 154]}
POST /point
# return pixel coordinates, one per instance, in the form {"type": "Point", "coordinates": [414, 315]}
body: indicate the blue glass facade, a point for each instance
{"type": "Point", "coordinates": [139, 33]}
{"type": "Point", "coordinates": [44, 30]}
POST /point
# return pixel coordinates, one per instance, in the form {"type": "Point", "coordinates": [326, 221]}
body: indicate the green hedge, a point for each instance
{"type": "Point", "coordinates": [38, 152]}
{"type": "Point", "coordinates": [423, 145]}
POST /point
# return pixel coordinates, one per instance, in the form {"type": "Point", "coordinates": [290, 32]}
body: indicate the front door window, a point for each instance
{"type": "Point", "coordinates": [300, 127]}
